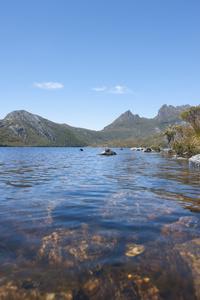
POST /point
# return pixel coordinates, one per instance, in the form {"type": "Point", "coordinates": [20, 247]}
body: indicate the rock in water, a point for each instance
{"type": "Point", "coordinates": [195, 160]}
{"type": "Point", "coordinates": [137, 149]}
{"type": "Point", "coordinates": [147, 150]}
{"type": "Point", "coordinates": [107, 152]}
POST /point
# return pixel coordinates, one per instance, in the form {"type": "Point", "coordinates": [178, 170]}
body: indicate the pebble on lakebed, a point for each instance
{"type": "Point", "coordinates": [134, 249]}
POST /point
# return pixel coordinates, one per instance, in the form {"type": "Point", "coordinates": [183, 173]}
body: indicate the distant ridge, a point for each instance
{"type": "Point", "coordinates": [21, 128]}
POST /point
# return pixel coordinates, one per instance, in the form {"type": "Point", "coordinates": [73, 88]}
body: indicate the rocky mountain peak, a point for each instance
{"type": "Point", "coordinates": [122, 119]}
{"type": "Point", "coordinates": [21, 115]}
{"type": "Point", "coordinates": [20, 121]}
{"type": "Point", "coordinates": [128, 116]}
{"type": "Point", "coordinates": [169, 112]}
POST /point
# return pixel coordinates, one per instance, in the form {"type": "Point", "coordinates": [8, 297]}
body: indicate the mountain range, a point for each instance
{"type": "Point", "coordinates": [21, 128]}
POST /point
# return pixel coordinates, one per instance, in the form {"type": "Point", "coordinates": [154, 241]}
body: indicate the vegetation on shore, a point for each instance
{"type": "Point", "coordinates": [185, 140]}
{"type": "Point", "coordinates": [156, 140]}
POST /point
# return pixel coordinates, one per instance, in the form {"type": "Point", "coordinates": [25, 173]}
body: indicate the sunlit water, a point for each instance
{"type": "Point", "coordinates": [77, 225]}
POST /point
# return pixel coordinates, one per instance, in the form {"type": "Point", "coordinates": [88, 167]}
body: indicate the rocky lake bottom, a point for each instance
{"type": "Point", "coordinates": [76, 225]}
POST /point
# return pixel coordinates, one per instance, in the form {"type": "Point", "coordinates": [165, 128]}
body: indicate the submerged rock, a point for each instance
{"type": "Point", "coordinates": [195, 160]}
{"type": "Point", "coordinates": [190, 254]}
{"type": "Point", "coordinates": [120, 285]}
{"type": "Point", "coordinates": [75, 247]}
{"type": "Point", "coordinates": [107, 151]}
{"type": "Point", "coordinates": [178, 231]}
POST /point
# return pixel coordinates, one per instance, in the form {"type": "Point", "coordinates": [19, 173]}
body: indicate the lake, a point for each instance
{"type": "Point", "coordinates": [77, 225]}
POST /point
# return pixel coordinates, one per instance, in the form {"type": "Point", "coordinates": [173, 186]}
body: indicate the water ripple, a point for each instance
{"type": "Point", "coordinates": [121, 224]}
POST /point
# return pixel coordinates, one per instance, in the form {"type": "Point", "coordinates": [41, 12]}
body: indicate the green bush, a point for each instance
{"type": "Point", "coordinates": [156, 148]}
{"type": "Point", "coordinates": [188, 144]}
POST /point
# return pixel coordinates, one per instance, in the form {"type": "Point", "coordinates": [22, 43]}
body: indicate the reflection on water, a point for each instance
{"type": "Point", "coordinates": [75, 225]}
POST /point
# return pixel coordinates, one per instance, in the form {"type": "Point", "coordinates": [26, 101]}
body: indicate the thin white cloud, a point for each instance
{"type": "Point", "coordinates": [118, 89]}
{"type": "Point", "coordinates": [49, 85]}
{"type": "Point", "coordinates": [102, 89]}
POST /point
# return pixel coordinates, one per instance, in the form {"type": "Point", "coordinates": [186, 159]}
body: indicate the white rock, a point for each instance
{"type": "Point", "coordinates": [195, 160]}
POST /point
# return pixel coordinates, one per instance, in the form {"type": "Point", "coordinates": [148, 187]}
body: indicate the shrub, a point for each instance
{"type": "Point", "coordinates": [170, 135]}
{"type": "Point", "coordinates": [188, 144]}
{"type": "Point", "coordinates": [156, 148]}
{"type": "Point", "coordinates": [192, 116]}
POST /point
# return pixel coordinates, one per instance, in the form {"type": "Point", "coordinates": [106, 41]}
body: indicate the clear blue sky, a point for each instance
{"type": "Point", "coordinates": [85, 62]}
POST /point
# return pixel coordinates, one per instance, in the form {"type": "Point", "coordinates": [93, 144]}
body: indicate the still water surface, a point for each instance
{"type": "Point", "coordinates": [76, 225]}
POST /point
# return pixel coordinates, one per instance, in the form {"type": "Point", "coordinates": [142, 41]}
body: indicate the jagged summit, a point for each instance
{"type": "Point", "coordinates": [123, 118]}
{"type": "Point", "coordinates": [127, 116]}
{"type": "Point", "coordinates": [167, 113]}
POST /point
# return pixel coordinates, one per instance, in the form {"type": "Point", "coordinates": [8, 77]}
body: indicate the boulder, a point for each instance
{"type": "Point", "coordinates": [136, 149]}
{"type": "Point", "coordinates": [147, 150]}
{"type": "Point", "coordinates": [195, 160]}
{"type": "Point", "coordinates": [107, 152]}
